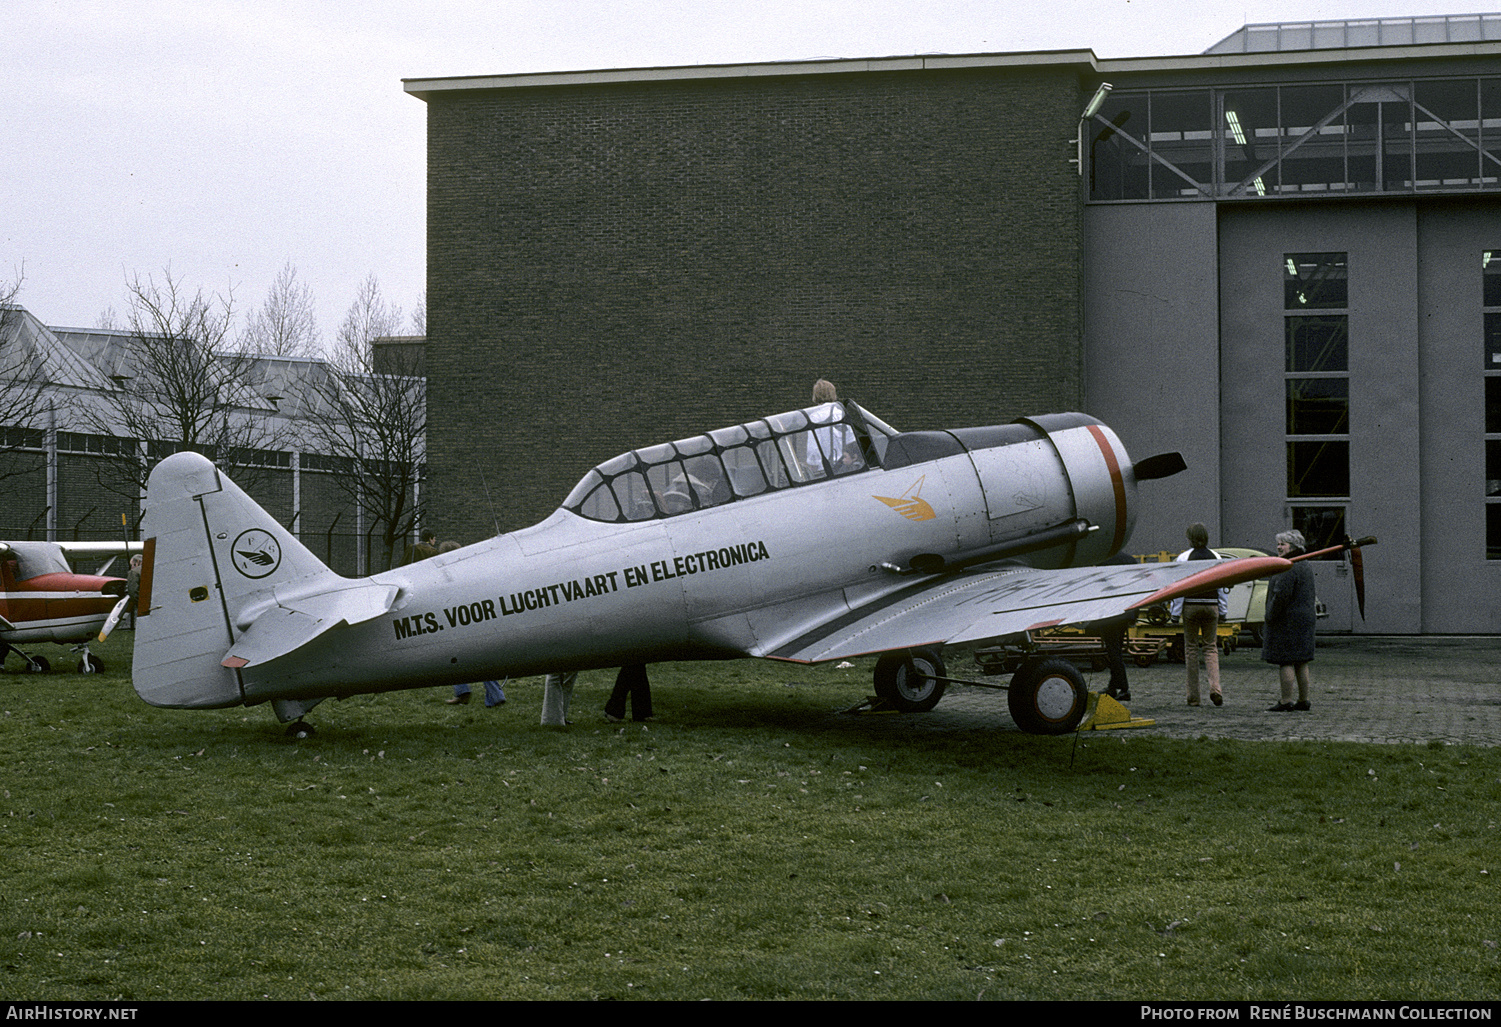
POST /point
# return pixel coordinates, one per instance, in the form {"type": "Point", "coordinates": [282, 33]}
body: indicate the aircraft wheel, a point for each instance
{"type": "Point", "coordinates": [1048, 697]}
{"type": "Point", "coordinates": [90, 664]}
{"type": "Point", "coordinates": [300, 729]}
{"type": "Point", "coordinates": [38, 665]}
{"type": "Point", "coordinates": [910, 680]}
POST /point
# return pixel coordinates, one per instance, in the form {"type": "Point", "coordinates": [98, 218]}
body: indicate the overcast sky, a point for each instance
{"type": "Point", "coordinates": [228, 138]}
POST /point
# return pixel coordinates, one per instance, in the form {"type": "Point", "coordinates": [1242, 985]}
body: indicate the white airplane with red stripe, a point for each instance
{"type": "Point", "coordinates": [43, 600]}
{"type": "Point", "coordinates": [809, 536]}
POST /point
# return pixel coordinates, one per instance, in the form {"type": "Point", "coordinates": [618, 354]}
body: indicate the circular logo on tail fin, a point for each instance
{"type": "Point", "coordinates": [256, 553]}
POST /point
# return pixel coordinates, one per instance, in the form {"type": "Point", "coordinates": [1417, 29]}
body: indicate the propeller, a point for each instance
{"type": "Point", "coordinates": [113, 618]}
{"type": "Point", "coordinates": [1357, 564]}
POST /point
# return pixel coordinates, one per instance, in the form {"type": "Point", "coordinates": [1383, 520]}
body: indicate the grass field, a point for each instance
{"type": "Point", "coordinates": [751, 844]}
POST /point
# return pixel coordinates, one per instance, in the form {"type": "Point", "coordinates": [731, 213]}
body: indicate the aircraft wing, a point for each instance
{"type": "Point", "coordinates": [986, 604]}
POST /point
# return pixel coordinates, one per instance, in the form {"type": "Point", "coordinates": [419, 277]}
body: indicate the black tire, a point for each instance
{"type": "Point", "coordinates": [909, 680]}
{"type": "Point", "coordinates": [88, 663]}
{"type": "Point", "coordinates": [300, 729]}
{"type": "Point", "coordinates": [38, 665]}
{"type": "Point", "coordinates": [1048, 697]}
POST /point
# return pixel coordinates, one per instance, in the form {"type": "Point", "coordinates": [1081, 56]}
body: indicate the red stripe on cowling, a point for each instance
{"type": "Point", "coordinates": [1117, 483]}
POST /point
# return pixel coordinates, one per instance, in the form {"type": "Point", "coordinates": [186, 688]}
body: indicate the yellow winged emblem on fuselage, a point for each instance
{"type": "Point", "coordinates": [911, 504]}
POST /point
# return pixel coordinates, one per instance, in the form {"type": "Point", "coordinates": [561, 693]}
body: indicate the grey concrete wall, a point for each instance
{"type": "Point", "coordinates": [1151, 355]}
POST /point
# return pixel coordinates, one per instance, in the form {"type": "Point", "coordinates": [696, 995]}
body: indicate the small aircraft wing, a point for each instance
{"type": "Point", "coordinates": [986, 604]}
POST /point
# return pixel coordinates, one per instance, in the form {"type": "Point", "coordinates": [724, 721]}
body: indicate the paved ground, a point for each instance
{"type": "Point", "coordinates": [1365, 689]}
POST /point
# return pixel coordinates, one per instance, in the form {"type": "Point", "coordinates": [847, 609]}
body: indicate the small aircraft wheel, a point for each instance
{"type": "Point", "coordinates": [300, 729]}
{"type": "Point", "coordinates": [38, 665]}
{"type": "Point", "coordinates": [90, 664]}
{"type": "Point", "coordinates": [910, 680]}
{"type": "Point", "coordinates": [1048, 697]}
{"type": "Point", "coordinates": [1146, 659]}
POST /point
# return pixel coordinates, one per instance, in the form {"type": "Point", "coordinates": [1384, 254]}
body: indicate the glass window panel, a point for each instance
{"type": "Point", "coordinates": [694, 446]}
{"type": "Point", "coordinates": [1315, 281]}
{"type": "Point", "coordinates": [729, 436]}
{"type": "Point", "coordinates": [1182, 135]}
{"type": "Point", "coordinates": [1447, 117]}
{"type": "Point", "coordinates": [1318, 343]}
{"type": "Point", "coordinates": [1322, 527]}
{"type": "Point", "coordinates": [771, 464]}
{"type": "Point", "coordinates": [1396, 32]}
{"type": "Point", "coordinates": [1362, 33]}
{"type": "Point", "coordinates": [801, 455]}
{"type": "Point", "coordinates": [1317, 163]}
{"type": "Point", "coordinates": [706, 476]}
{"type": "Point", "coordinates": [1493, 404]}
{"type": "Point", "coordinates": [745, 473]}
{"type": "Point", "coordinates": [1318, 406]}
{"type": "Point", "coordinates": [1318, 469]}
{"type": "Point", "coordinates": [1250, 138]}
{"type": "Point", "coordinates": [669, 487]}
{"type": "Point", "coordinates": [1493, 531]}
{"type": "Point", "coordinates": [792, 420]}
{"type": "Point", "coordinates": [1490, 133]}
{"type": "Point", "coordinates": [1490, 271]}
{"type": "Point", "coordinates": [600, 505]}
{"type": "Point", "coordinates": [633, 496]}
{"type": "Point", "coordinates": [1493, 342]}
{"type": "Point", "coordinates": [1492, 467]}
{"type": "Point", "coordinates": [1117, 168]}
{"type": "Point", "coordinates": [1464, 30]}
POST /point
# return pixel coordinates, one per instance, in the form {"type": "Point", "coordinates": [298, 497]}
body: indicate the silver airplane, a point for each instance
{"type": "Point", "coordinates": [809, 536]}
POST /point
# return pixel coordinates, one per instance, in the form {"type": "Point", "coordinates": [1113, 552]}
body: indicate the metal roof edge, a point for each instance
{"type": "Point", "coordinates": [422, 88]}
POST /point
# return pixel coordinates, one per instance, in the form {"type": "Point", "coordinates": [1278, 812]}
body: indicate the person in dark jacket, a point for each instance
{"type": "Point", "coordinates": [1287, 634]}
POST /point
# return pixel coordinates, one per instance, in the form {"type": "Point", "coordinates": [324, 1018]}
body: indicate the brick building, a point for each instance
{"type": "Point", "coordinates": [1273, 256]}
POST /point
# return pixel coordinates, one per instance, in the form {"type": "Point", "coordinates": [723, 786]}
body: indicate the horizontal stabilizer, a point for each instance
{"type": "Point", "coordinates": [293, 623]}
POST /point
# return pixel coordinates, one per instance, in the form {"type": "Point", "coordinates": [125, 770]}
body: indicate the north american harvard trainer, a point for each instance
{"type": "Point", "coordinates": [808, 536]}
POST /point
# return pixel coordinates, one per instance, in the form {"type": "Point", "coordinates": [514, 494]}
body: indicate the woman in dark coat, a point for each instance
{"type": "Point", "coordinates": [1287, 634]}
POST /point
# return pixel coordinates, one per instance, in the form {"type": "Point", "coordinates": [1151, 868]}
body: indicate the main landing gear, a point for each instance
{"type": "Point", "coordinates": [912, 681]}
{"type": "Point", "coordinates": [1046, 696]}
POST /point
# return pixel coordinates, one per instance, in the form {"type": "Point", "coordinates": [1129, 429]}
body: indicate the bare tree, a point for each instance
{"type": "Point", "coordinates": [373, 424]}
{"type": "Point", "coordinates": [419, 316]}
{"type": "Point", "coordinates": [25, 395]}
{"type": "Point", "coordinates": [369, 318]}
{"type": "Point", "coordinates": [176, 386]}
{"type": "Point", "coordinates": [286, 325]}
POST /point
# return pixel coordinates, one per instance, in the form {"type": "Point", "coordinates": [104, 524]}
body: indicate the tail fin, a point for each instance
{"type": "Point", "coordinates": [216, 561]}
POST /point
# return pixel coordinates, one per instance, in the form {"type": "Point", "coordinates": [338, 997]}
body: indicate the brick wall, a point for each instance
{"type": "Point", "coordinates": [613, 266]}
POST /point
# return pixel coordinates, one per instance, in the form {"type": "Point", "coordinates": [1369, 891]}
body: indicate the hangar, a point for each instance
{"type": "Point", "coordinates": [1275, 256]}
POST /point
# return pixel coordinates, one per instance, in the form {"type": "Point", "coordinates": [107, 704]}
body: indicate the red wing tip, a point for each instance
{"type": "Point", "coordinates": [234, 662]}
{"type": "Point", "coordinates": [1045, 624]}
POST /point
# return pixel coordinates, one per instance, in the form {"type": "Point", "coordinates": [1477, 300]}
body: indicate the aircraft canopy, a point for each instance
{"type": "Point", "coordinates": [799, 447]}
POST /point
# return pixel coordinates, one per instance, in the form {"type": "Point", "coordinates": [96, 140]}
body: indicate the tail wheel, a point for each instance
{"type": "Point", "coordinates": [90, 664]}
{"type": "Point", "coordinates": [911, 681]}
{"type": "Point", "coordinates": [1048, 697]}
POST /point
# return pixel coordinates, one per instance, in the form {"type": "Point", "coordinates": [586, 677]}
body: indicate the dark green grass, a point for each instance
{"type": "Point", "coordinates": [751, 844]}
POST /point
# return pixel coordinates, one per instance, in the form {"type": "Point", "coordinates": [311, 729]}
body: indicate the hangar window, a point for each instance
{"type": "Point", "coordinates": [1254, 142]}
{"type": "Point", "coordinates": [1316, 380]}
